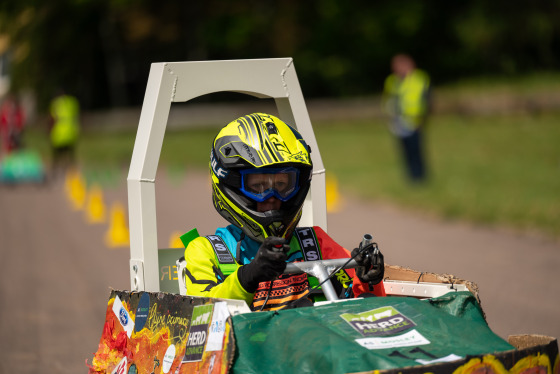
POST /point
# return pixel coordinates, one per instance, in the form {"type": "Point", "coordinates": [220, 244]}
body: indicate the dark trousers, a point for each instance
{"type": "Point", "coordinates": [63, 158]}
{"type": "Point", "coordinates": [413, 156]}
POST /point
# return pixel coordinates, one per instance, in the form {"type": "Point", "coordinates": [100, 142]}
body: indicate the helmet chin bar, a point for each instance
{"type": "Point", "coordinates": [272, 224]}
{"type": "Point", "coordinates": [285, 230]}
{"type": "Point", "coordinates": [276, 228]}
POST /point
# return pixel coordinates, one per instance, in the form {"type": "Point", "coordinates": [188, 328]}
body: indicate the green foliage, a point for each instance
{"type": "Point", "coordinates": [101, 50]}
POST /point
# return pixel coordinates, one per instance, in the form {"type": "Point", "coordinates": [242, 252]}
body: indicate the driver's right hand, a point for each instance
{"type": "Point", "coordinates": [268, 264]}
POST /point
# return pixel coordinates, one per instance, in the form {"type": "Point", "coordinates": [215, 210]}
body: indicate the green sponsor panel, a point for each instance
{"type": "Point", "coordinates": [168, 281]}
{"type": "Point", "coordinates": [380, 333]}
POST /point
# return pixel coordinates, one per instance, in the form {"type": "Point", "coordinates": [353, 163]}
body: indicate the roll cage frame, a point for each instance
{"type": "Point", "coordinates": [177, 82]}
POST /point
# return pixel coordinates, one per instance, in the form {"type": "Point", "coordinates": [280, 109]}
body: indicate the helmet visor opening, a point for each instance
{"type": "Point", "coordinates": [261, 184]}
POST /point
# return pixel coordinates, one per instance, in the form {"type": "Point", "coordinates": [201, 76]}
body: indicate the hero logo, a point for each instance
{"type": "Point", "coordinates": [217, 170]}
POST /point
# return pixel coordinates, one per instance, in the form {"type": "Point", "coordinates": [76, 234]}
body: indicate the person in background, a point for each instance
{"type": "Point", "coordinates": [12, 120]}
{"type": "Point", "coordinates": [64, 132]}
{"type": "Point", "coordinates": [261, 173]}
{"type": "Point", "coordinates": [406, 99]}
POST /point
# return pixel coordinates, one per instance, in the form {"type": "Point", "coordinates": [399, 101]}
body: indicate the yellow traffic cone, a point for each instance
{"type": "Point", "coordinates": [117, 235]}
{"type": "Point", "coordinates": [333, 197]}
{"type": "Point", "coordinates": [76, 189]}
{"type": "Point", "coordinates": [175, 240]}
{"type": "Point", "coordinates": [95, 212]}
{"type": "Point", "coordinates": [68, 178]}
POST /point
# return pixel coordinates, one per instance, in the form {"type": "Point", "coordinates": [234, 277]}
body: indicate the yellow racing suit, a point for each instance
{"type": "Point", "coordinates": [210, 276]}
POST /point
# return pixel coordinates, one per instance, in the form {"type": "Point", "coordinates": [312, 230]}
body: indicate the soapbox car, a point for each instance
{"type": "Point", "coordinates": [428, 323]}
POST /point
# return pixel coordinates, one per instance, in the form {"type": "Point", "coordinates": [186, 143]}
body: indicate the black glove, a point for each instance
{"type": "Point", "coordinates": [371, 267]}
{"type": "Point", "coordinates": [269, 263]}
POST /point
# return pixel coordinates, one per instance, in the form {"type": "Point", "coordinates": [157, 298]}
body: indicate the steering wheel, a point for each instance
{"type": "Point", "coordinates": [322, 269]}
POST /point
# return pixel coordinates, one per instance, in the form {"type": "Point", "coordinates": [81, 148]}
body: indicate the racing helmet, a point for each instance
{"type": "Point", "coordinates": [254, 158]}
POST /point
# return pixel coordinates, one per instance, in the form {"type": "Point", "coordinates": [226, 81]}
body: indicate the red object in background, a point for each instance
{"type": "Point", "coordinates": [12, 119]}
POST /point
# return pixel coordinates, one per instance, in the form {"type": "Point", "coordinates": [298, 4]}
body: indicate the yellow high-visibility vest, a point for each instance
{"type": "Point", "coordinates": [407, 97]}
{"type": "Point", "coordinates": [65, 111]}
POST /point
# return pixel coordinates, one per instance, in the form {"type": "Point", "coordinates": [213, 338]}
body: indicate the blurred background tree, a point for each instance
{"type": "Point", "coordinates": [101, 50]}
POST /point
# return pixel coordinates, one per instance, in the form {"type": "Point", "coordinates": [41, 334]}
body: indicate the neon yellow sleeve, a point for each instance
{"type": "Point", "coordinates": [201, 279]}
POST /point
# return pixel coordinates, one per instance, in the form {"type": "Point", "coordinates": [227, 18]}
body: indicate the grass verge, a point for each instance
{"type": "Point", "coordinates": [496, 170]}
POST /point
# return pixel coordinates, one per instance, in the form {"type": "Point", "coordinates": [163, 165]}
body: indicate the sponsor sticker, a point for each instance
{"type": "Point", "coordinates": [142, 312]}
{"type": "Point", "coordinates": [383, 321]}
{"type": "Point", "coordinates": [217, 327]}
{"type": "Point", "coordinates": [168, 358]}
{"type": "Point", "coordinates": [408, 339]}
{"type": "Point", "coordinates": [198, 333]}
{"type": "Point", "coordinates": [123, 316]}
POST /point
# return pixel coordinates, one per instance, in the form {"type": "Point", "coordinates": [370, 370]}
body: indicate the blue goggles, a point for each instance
{"type": "Point", "coordinates": [262, 184]}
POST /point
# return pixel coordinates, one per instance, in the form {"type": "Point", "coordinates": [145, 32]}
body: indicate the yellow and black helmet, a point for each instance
{"type": "Point", "coordinates": [254, 158]}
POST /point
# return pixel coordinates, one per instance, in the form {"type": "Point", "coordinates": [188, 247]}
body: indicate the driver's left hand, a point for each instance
{"type": "Point", "coordinates": [371, 268]}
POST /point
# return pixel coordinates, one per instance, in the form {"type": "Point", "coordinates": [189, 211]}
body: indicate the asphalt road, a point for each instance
{"type": "Point", "coordinates": [57, 271]}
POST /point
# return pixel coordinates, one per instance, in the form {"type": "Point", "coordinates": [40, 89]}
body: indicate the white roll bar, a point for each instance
{"type": "Point", "coordinates": [172, 82]}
